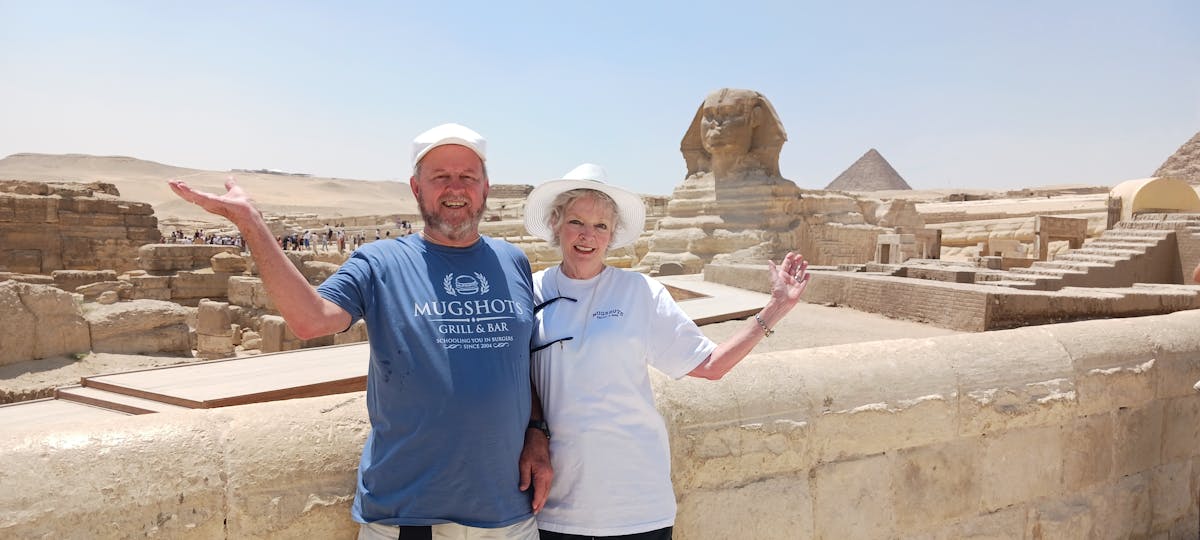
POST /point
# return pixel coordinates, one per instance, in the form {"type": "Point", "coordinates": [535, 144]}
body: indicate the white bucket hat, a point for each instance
{"type": "Point", "coordinates": [448, 134]}
{"type": "Point", "coordinates": [630, 208]}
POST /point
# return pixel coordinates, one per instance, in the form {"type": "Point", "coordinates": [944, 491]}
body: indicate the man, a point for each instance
{"type": "Point", "coordinates": [449, 314]}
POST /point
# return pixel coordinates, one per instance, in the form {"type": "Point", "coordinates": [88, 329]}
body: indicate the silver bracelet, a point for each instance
{"type": "Point", "coordinates": [766, 331]}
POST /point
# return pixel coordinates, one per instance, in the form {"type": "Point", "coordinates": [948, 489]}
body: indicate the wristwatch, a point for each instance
{"type": "Point", "coordinates": [540, 425]}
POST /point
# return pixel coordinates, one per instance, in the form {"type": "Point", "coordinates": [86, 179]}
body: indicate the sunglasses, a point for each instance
{"type": "Point", "coordinates": [542, 306]}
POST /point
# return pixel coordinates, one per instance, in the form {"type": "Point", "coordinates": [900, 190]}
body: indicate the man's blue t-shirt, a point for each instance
{"type": "Point", "coordinates": [448, 387]}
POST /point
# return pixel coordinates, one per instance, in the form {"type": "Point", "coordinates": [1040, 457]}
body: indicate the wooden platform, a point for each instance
{"type": "Point", "coordinates": [238, 381]}
{"type": "Point", "coordinates": [112, 400]}
{"type": "Point", "coordinates": [46, 412]}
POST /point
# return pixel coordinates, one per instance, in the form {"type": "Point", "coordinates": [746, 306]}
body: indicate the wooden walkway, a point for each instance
{"type": "Point", "coordinates": [199, 385]}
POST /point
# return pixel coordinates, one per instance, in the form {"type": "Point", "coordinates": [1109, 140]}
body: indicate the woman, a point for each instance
{"type": "Point", "coordinates": [597, 329]}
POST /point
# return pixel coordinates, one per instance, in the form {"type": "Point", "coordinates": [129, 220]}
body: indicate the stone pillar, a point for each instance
{"type": "Point", "coordinates": [214, 330]}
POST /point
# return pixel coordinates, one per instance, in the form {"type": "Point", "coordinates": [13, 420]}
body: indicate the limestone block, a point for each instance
{"type": "Point", "coordinates": [108, 297]}
{"type": "Point", "coordinates": [1020, 465]}
{"type": "Point", "coordinates": [1000, 525]}
{"type": "Point", "coordinates": [838, 435]}
{"type": "Point", "coordinates": [214, 319]}
{"type": "Point", "coordinates": [173, 257]}
{"type": "Point", "coordinates": [936, 483]}
{"type": "Point", "coordinates": [779, 507]}
{"type": "Point", "coordinates": [72, 221]}
{"type": "Point", "coordinates": [35, 279]}
{"type": "Point", "coordinates": [687, 262]}
{"type": "Point", "coordinates": [194, 285]}
{"type": "Point", "coordinates": [35, 210]}
{"type": "Point", "coordinates": [1176, 340]}
{"type": "Point", "coordinates": [1172, 498]}
{"type": "Point", "coordinates": [542, 252]}
{"type": "Point", "coordinates": [1137, 439]}
{"type": "Point", "coordinates": [212, 347]}
{"type": "Point", "coordinates": [854, 499]}
{"type": "Point", "coordinates": [39, 321]}
{"type": "Point", "coordinates": [94, 290]}
{"type": "Point", "coordinates": [719, 457]}
{"type": "Point", "coordinates": [1122, 508]}
{"type": "Point", "coordinates": [299, 257]}
{"type": "Point", "coordinates": [317, 272]}
{"type": "Point", "coordinates": [325, 434]}
{"type": "Point", "coordinates": [138, 327]}
{"type": "Point", "coordinates": [150, 287]}
{"type": "Point", "coordinates": [276, 336]}
{"type": "Point", "coordinates": [1181, 429]}
{"type": "Point", "coordinates": [1088, 451]}
{"type": "Point", "coordinates": [1113, 363]}
{"type": "Point", "coordinates": [249, 292]}
{"type": "Point", "coordinates": [141, 221]}
{"type": "Point", "coordinates": [675, 239]}
{"type": "Point", "coordinates": [865, 388]}
{"type": "Point", "coordinates": [251, 340]}
{"type": "Point", "coordinates": [1033, 386]}
{"type": "Point", "coordinates": [1072, 517]}
{"type": "Point", "coordinates": [228, 262]}
{"type": "Point", "coordinates": [142, 236]}
{"type": "Point", "coordinates": [157, 475]}
{"type": "Point", "coordinates": [70, 280]}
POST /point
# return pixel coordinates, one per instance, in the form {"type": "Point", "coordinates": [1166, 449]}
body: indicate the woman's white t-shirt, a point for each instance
{"type": "Point", "coordinates": [612, 468]}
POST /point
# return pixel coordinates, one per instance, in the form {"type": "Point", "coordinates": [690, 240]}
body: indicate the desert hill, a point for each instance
{"type": "Point", "coordinates": [146, 181]}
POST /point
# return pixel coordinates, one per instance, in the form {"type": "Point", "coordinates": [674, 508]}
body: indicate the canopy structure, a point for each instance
{"type": "Point", "coordinates": [1157, 195]}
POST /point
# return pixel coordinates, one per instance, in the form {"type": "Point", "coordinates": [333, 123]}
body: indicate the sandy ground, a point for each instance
{"type": "Point", "coordinates": [146, 181]}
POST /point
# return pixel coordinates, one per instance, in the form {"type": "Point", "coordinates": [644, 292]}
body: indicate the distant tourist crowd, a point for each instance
{"type": "Point", "coordinates": [200, 237]}
{"type": "Point", "coordinates": [332, 237]}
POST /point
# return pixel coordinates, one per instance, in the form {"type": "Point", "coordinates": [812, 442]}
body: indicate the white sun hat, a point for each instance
{"type": "Point", "coordinates": [630, 208]}
{"type": "Point", "coordinates": [448, 134]}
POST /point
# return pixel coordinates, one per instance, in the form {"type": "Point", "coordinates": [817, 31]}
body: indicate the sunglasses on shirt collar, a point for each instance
{"type": "Point", "coordinates": [542, 306]}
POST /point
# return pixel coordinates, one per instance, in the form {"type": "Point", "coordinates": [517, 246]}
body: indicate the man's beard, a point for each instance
{"type": "Point", "coordinates": [467, 229]}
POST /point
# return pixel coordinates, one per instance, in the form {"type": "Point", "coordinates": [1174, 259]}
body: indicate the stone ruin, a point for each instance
{"type": "Point", "coordinates": [735, 207]}
{"type": "Point", "coordinates": [70, 226]}
{"type": "Point", "coordinates": [187, 297]}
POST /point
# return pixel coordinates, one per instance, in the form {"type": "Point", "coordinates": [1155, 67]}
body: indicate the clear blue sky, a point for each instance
{"type": "Point", "coordinates": [974, 94]}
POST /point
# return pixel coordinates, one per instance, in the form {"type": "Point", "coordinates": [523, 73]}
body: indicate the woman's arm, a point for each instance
{"type": "Point", "coordinates": [788, 281]}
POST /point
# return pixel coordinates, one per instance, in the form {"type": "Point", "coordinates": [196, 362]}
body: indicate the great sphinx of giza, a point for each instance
{"type": "Point", "coordinates": [734, 206]}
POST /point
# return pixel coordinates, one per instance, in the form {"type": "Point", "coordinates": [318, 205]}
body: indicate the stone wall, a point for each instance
{"type": "Point", "coordinates": [1081, 430]}
{"type": "Point", "coordinates": [966, 306]}
{"type": "Point", "coordinates": [70, 226]}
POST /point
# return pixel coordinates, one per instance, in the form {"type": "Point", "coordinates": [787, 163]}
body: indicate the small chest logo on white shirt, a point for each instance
{"type": "Point", "coordinates": [465, 284]}
{"type": "Point", "coordinates": [608, 313]}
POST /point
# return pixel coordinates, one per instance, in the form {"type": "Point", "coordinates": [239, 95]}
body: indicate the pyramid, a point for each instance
{"type": "Point", "coordinates": [1184, 163]}
{"type": "Point", "coordinates": [870, 173]}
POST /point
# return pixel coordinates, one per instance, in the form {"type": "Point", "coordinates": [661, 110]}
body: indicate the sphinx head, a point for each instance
{"type": "Point", "coordinates": [734, 131]}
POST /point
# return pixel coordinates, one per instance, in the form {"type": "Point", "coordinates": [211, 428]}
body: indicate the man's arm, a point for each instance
{"type": "Point", "coordinates": [307, 314]}
{"type": "Point", "coordinates": [535, 456]}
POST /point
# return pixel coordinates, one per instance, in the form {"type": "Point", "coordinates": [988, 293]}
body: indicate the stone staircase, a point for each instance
{"type": "Point", "coordinates": [1116, 258]}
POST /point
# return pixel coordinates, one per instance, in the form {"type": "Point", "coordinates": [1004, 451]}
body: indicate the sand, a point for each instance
{"type": "Point", "coordinates": [146, 181]}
